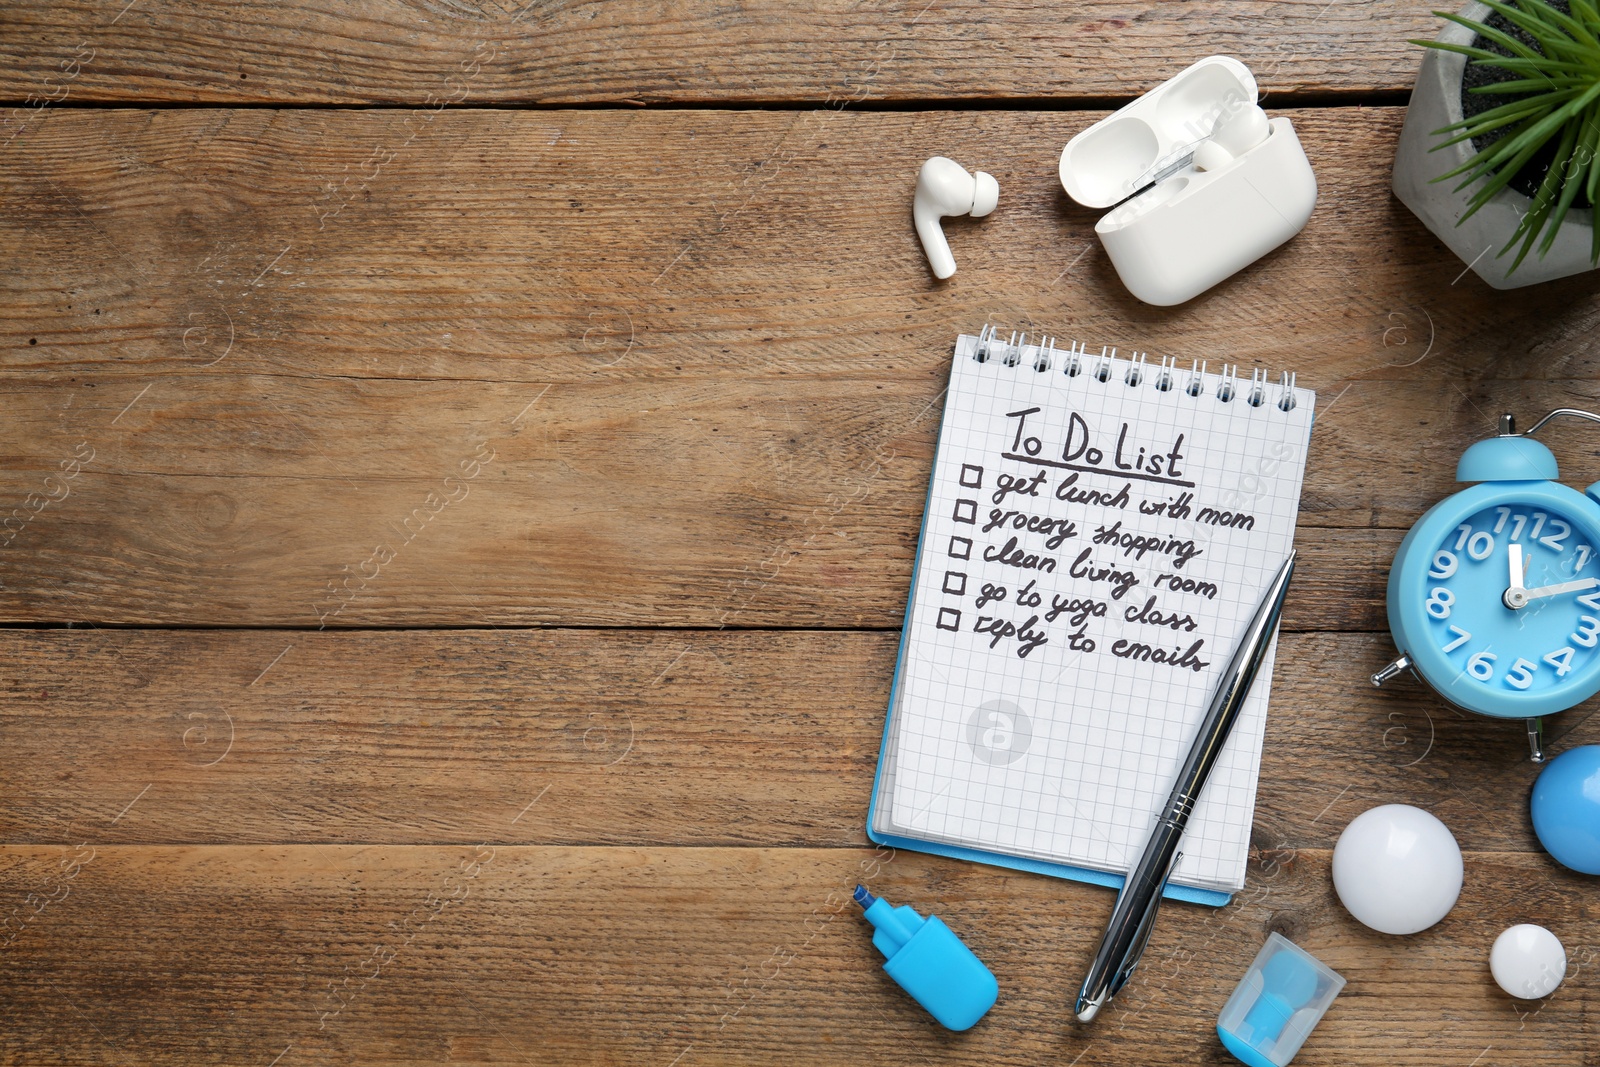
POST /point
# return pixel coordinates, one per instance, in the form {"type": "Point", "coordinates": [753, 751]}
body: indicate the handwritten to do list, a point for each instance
{"type": "Point", "coordinates": [1097, 533]}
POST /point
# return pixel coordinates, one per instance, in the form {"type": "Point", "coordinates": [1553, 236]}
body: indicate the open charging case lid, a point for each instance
{"type": "Point", "coordinates": [1177, 230]}
{"type": "Point", "coordinates": [1123, 152]}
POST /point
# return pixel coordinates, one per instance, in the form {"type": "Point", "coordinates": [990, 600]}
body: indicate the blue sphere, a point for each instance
{"type": "Point", "coordinates": [1566, 809]}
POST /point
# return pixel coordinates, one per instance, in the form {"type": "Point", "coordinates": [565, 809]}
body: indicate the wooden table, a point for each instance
{"type": "Point", "coordinates": [470, 456]}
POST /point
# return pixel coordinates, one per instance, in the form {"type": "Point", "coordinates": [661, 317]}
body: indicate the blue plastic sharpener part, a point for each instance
{"type": "Point", "coordinates": [1277, 1004]}
{"type": "Point", "coordinates": [927, 960]}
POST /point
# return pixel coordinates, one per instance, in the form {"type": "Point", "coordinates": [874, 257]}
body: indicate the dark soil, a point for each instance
{"type": "Point", "coordinates": [1532, 174]}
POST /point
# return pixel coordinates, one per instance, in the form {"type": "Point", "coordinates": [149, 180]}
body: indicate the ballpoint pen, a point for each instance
{"type": "Point", "coordinates": [1134, 913]}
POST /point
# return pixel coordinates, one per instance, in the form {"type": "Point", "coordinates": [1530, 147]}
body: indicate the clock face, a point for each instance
{"type": "Point", "coordinates": [1512, 600]}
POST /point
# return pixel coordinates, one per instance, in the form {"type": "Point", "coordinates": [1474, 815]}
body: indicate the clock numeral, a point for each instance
{"type": "Point", "coordinates": [1444, 564]}
{"type": "Point", "coordinates": [1462, 637]}
{"type": "Point", "coordinates": [1481, 665]}
{"type": "Point", "coordinates": [1553, 541]}
{"type": "Point", "coordinates": [1505, 513]}
{"type": "Point", "coordinates": [1584, 552]}
{"type": "Point", "coordinates": [1590, 601]}
{"type": "Point", "coordinates": [1517, 523]}
{"type": "Point", "coordinates": [1465, 530]}
{"type": "Point", "coordinates": [1520, 676]}
{"type": "Point", "coordinates": [1481, 544]}
{"type": "Point", "coordinates": [1561, 660]}
{"type": "Point", "coordinates": [1539, 520]}
{"type": "Point", "coordinates": [1439, 601]}
{"type": "Point", "coordinates": [1588, 631]}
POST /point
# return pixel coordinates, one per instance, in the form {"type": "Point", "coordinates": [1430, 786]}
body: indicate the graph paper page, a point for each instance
{"type": "Point", "coordinates": [1093, 546]}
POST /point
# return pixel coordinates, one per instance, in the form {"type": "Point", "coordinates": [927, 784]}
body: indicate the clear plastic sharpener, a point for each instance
{"type": "Point", "coordinates": [1277, 1004]}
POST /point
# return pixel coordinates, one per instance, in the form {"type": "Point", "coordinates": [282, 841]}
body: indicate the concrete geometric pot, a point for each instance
{"type": "Point", "coordinates": [1436, 102]}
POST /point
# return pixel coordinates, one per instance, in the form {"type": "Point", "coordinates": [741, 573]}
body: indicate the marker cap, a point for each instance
{"type": "Point", "coordinates": [927, 960]}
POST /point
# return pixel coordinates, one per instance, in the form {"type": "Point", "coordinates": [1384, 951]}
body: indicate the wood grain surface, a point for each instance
{"type": "Point", "coordinates": [627, 737]}
{"type": "Point", "coordinates": [565, 52]}
{"type": "Point", "coordinates": [729, 352]}
{"type": "Point", "coordinates": [460, 465]}
{"type": "Point", "coordinates": [538, 954]}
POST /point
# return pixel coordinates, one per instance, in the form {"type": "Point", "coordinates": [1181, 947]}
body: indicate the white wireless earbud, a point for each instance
{"type": "Point", "coordinates": [1232, 137]}
{"type": "Point", "coordinates": [945, 188]}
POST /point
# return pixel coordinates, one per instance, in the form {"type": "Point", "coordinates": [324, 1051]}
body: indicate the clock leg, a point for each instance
{"type": "Point", "coordinates": [1399, 666]}
{"type": "Point", "coordinates": [1536, 739]}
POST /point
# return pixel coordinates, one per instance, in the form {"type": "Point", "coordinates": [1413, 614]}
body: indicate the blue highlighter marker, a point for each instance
{"type": "Point", "coordinates": [927, 960]}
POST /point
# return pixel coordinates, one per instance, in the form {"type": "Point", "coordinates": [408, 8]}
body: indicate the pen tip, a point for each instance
{"type": "Point", "coordinates": [1087, 1010]}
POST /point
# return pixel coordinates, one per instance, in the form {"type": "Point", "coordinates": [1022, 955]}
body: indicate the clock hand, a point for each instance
{"type": "Point", "coordinates": [1564, 587]}
{"type": "Point", "coordinates": [1515, 596]}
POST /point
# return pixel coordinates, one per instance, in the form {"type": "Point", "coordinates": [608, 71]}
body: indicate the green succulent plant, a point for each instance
{"type": "Point", "coordinates": [1556, 91]}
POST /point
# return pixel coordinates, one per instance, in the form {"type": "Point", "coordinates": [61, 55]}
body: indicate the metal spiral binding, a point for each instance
{"type": "Point", "coordinates": [1105, 364]}
{"type": "Point", "coordinates": [1229, 384]}
{"type": "Point", "coordinates": [1164, 376]}
{"type": "Point", "coordinates": [1047, 349]}
{"type": "Point", "coordinates": [1014, 356]}
{"type": "Point", "coordinates": [1135, 372]}
{"type": "Point", "coordinates": [1045, 355]}
{"type": "Point", "coordinates": [1074, 365]}
{"type": "Point", "coordinates": [985, 339]}
{"type": "Point", "coordinates": [1258, 387]}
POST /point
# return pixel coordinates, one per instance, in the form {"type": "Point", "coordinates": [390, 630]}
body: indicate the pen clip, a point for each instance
{"type": "Point", "coordinates": [1147, 925]}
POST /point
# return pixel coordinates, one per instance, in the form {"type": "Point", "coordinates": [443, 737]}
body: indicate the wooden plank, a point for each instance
{"type": "Point", "coordinates": [833, 54]}
{"type": "Point", "coordinates": [594, 522]}
{"type": "Point", "coordinates": [574, 954]}
{"type": "Point", "coordinates": [619, 737]}
{"type": "Point", "coordinates": [603, 247]}
{"type": "Point", "coordinates": [708, 385]}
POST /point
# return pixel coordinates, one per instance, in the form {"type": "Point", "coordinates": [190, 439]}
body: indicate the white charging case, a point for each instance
{"type": "Point", "coordinates": [1188, 229]}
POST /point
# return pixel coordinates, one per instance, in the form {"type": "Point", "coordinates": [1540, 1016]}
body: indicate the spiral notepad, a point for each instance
{"type": "Point", "coordinates": [1098, 531]}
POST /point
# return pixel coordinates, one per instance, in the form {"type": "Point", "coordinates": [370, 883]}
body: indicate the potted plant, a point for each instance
{"type": "Point", "coordinates": [1498, 153]}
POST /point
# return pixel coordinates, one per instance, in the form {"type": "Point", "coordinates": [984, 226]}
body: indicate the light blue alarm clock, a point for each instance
{"type": "Point", "coordinates": [1494, 597]}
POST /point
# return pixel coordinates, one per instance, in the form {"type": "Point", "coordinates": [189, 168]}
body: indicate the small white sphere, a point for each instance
{"type": "Point", "coordinates": [1528, 962]}
{"type": "Point", "coordinates": [1397, 869]}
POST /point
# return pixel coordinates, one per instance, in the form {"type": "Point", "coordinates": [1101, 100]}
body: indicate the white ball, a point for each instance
{"type": "Point", "coordinates": [1397, 869]}
{"type": "Point", "coordinates": [1528, 962]}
